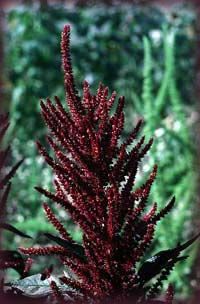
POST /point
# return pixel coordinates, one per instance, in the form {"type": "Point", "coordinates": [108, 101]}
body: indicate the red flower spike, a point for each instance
{"type": "Point", "coordinates": [169, 295]}
{"type": "Point", "coordinates": [49, 250]}
{"type": "Point", "coordinates": [149, 216]}
{"type": "Point", "coordinates": [95, 184]}
{"type": "Point", "coordinates": [28, 265]}
{"type": "Point", "coordinates": [58, 296]}
{"type": "Point", "coordinates": [56, 223]}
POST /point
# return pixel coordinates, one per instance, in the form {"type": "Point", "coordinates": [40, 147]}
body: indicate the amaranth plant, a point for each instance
{"type": "Point", "coordinates": [95, 183]}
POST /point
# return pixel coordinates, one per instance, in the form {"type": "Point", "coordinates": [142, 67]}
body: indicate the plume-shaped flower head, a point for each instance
{"type": "Point", "coordinates": [95, 183]}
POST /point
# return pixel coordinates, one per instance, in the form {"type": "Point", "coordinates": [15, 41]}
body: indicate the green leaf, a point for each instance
{"type": "Point", "coordinates": [33, 286]}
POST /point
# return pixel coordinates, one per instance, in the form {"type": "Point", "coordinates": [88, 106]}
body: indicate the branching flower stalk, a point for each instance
{"type": "Point", "coordinates": [95, 184]}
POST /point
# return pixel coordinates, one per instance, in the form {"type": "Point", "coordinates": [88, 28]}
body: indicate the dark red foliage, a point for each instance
{"type": "Point", "coordinates": [8, 258]}
{"type": "Point", "coordinates": [95, 183]}
{"type": "Point", "coordinates": [5, 178]}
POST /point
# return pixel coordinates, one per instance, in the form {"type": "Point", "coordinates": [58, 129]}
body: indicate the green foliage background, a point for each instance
{"type": "Point", "coordinates": [174, 151]}
{"type": "Point", "coordinates": [107, 45]}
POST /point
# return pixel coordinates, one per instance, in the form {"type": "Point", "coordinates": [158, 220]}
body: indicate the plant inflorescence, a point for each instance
{"type": "Point", "coordinates": [95, 182]}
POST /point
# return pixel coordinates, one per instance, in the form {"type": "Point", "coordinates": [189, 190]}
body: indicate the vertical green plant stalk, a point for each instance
{"type": "Point", "coordinates": [164, 115]}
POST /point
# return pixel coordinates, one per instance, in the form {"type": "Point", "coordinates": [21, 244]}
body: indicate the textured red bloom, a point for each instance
{"type": "Point", "coordinates": [95, 184]}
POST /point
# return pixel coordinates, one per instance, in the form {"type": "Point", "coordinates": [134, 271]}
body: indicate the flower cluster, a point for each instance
{"type": "Point", "coordinates": [95, 183]}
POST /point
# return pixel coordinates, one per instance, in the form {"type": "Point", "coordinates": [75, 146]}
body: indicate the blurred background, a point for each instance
{"type": "Point", "coordinates": [145, 50]}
